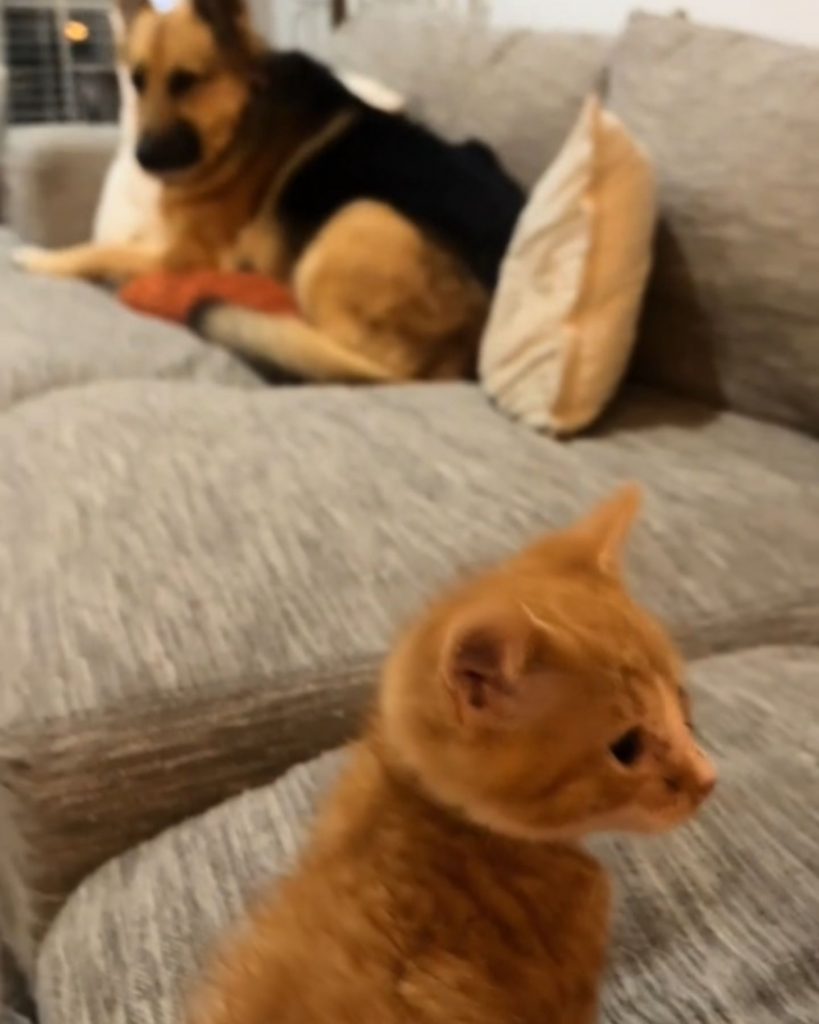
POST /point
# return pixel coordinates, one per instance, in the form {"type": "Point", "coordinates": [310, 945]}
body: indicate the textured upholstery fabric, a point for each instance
{"type": "Point", "coordinates": [189, 556]}
{"type": "Point", "coordinates": [53, 176]}
{"type": "Point", "coordinates": [57, 334]}
{"type": "Point", "coordinates": [717, 922]}
{"type": "Point", "coordinates": [4, 81]}
{"type": "Point", "coordinates": [564, 316]}
{"type": "Point", "coordinates": [519, 91]}
{"type": "Point", "coordinates": [732, 313]}
{"type": "Point", "coordinates": [61, 783]}
{"type": "Point", "coordinates": [199, 575]}
{"type": "Point", "coordinates": [207, 868]}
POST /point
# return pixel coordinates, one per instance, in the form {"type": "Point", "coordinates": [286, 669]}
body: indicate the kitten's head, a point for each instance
{"type": "Point", "coordinates": [543, 702]}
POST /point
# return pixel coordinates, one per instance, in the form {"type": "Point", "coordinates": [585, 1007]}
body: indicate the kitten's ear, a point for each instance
{"type": "Point", "coordinates": [606, 529]}
{"type": "Point", "coordinates": [129, 9]}
{"type": "Point", "coordinates": [488, 658]}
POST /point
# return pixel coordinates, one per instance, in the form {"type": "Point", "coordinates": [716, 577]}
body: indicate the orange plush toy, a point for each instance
{"type": "Point", "coordinates": [178, 296]}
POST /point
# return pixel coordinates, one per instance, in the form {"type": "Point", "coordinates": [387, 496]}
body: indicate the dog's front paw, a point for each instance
{"type": "Point", "coordinates": [35, 260]}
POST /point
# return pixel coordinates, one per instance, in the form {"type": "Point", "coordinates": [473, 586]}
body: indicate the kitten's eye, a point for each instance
{"type": "Point", "coordinates": [139, 79]}
{"type": "Point", "coordinates": [181, 82]}
{"type": "Point", "coordinates": [628, 748]}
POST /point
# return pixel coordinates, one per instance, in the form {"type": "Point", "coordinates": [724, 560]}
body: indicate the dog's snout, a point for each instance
{"type": "Point", "coordinates": [175, 149]}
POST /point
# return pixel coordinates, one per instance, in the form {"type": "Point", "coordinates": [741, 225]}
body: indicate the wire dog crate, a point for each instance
{"type": "Point", "coordinates": [60, 60]}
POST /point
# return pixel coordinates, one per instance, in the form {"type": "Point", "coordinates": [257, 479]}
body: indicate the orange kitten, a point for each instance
{"type": "Point", "coordinates": [445, 882]}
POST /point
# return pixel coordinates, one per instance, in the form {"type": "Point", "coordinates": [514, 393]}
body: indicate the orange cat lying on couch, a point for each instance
{"type": "Point", "coordinates": [446, 882]}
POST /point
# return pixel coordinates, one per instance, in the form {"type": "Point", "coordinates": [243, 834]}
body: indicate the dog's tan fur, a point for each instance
{"type": "Point", "coordinates": [382, 300]}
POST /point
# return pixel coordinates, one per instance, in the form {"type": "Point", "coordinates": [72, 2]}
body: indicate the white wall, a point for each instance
{"type": "Point", "coordinates": [795, 21]}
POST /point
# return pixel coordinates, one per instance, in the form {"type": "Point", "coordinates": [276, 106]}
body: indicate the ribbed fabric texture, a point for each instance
{"type": "Point", "coordinates": [732, 311]}
{"type": "Point", "coordinates": [61, 334]}
{"type": "Point", "coordinates": [176, 555]}
{"type": "Point", "coordinates": [717, 922]}
{"type": "Point", "coordinates": [518, 91]}
{"type": "Point", "coordinates": [200, 575]}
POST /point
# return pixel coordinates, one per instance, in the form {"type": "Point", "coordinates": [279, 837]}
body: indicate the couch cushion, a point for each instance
{"type": "Point", "coordinates": [717, 922]}
{"type": "Point", "coordinates": [519, 91]}
{"type": "Point", "coordinates": [52, 175]}
{"type": "Point", "coordinates": [732, 313]}
{"type": "Point", "coordinates": [199, 581]}
{"type": "Point", "coordinates": [59, 333]}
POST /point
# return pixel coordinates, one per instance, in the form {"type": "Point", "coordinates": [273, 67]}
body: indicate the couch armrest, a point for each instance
{"type": "Point", "coordinates": [53, 175]}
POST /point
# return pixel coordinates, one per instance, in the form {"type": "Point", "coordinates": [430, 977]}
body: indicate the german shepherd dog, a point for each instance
{"type": "Point", "coordinates": [389, 237]}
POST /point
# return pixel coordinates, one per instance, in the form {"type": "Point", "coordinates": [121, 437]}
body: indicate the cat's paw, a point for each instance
{"type": "Point", "coordinates": [35, 260]}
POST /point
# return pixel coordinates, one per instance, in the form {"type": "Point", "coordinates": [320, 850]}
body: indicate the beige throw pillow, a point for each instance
{"type": "Point", "coordinates": [565, 312]}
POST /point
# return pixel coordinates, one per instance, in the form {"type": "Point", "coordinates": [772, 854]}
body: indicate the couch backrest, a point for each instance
{"type": "Point", "coordinates": [732, 122]}
{"type": "Point", "coordinates": [732, 311]}
{"type": "Point", "coordinates": [520, 91]}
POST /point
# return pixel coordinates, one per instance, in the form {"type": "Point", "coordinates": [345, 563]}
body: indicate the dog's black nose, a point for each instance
{"type": "Point", "coordinates": [176, 149]}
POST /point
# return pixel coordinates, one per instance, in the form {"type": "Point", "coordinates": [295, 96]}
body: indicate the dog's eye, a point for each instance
{"type": "Point", "coordinates": [139, 78]}
{"type": "Point", "coordinates": [627, 750]}
{"type": "Point", "coordinates": [181, 82]}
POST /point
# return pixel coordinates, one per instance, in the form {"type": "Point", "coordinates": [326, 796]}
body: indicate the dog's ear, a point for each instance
{"type": "Point", "coordinates": [228, 19]}
{"type": "Point", "coordinates": [129, 9]}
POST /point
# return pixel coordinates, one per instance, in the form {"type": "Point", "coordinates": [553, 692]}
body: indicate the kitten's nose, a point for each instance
{"type": "Point", "coordinates": [704, 778]}
{"type": "Point", "coordinates": [696, 777]}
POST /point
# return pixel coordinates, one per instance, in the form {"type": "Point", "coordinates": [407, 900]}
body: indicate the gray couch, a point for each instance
{"type": "Point", "coordinates": [200, 574]}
